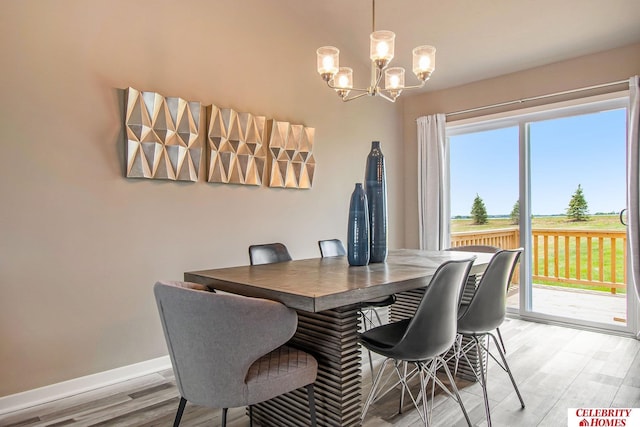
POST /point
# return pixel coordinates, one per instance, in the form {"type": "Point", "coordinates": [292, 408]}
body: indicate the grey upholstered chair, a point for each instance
{"type": "Point", "coordinates": [484, 313]}
{"type": "Point", "coordinates": [268, 253]}
{"type": "Point", "coordinates": [422, 339]}
{"type": "Point", "coordinates": [333, 248]}
{"type": "Point", "coordinates": [227, 350]}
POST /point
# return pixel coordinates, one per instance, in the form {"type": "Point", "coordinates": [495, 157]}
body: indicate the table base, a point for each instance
{"type": "Point", "coordinates": [332, 338]}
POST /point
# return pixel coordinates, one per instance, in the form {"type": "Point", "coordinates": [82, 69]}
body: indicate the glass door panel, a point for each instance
{"type": "Point", "coordinates": [484, 192]}
{"type": "Point", "coordinates": [578, 245]}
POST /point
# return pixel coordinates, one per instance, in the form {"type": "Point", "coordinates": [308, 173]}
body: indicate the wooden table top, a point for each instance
{"type": "Point", "coordinates": [319, 284]}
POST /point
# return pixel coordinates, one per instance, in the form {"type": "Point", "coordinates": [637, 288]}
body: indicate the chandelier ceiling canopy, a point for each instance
{"type": "Point", "coordinates": [381, 53]}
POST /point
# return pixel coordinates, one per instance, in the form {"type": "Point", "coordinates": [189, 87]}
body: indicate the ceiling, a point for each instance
{"type": "Point", "coordinates": [475, 39]}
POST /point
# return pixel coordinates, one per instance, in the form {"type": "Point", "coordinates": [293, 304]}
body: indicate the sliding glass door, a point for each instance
{"type": "Point", "coordinates": [551, 181]}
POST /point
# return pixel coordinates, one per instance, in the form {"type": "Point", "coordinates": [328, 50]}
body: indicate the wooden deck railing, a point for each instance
{"type": "Point", "coordinates": [592, 258]}
{"type": "Point", "coordinates": [505, 238]}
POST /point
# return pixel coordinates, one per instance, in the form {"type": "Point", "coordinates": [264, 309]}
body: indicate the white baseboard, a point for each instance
{"type": "Point", "coordinates": [26, 399]}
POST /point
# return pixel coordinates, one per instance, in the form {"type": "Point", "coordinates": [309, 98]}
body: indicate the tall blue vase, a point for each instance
{"type": "Point", "coordinates": [376, 189]}
{"type": "Point", "coordinates": [358, 228]}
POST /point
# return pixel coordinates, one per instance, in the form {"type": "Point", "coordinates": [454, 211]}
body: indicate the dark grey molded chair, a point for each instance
{"type": "Point", "coordinates": [423, 339]}
{"type": "Point", "coordinates": [487, 249]}
{"type": "Point", "coordinates": [268, 253]}
{"type": "Point", "coordinates": [486, 312]}
{"type": "Point", "coordinates": [334, 247]}
{"type": "Point", "coordinates": [227, 350]}
{"type": "Point", "coordinates": [331, 247]}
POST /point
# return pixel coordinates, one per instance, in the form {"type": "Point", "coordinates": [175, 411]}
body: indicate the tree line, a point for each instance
{"type": "Point", "coordinates": [578, 209]}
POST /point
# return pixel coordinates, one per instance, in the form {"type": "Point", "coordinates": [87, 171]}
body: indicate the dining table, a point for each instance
{"type": "Point", "coordinates": [327, 294]}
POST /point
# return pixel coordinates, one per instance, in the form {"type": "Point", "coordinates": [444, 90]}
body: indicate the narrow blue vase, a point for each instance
{"type": "Point", "coordinates": [358, 228]}
{"type": "Point", "coordinates": [376, 189]}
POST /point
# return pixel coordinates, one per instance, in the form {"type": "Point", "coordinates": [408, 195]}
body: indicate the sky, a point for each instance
{"type": "Point", "coordinates": [586, 150]}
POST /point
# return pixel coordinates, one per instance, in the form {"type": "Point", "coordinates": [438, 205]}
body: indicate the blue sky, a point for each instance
{"type": "Point", "coordinates": [588, 150]}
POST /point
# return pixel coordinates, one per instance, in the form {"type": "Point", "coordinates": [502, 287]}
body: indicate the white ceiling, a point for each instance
{"type": "Point", "coordinates": [475, 39]}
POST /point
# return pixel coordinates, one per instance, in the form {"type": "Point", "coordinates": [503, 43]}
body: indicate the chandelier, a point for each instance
{"type": "Point", "coordinates": [381, 53]}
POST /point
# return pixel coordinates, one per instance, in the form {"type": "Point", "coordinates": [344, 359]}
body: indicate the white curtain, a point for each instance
{"type": "Point", "coordinates": [433, 183]}
{"type": "Point", "coordinates": [633, 182]}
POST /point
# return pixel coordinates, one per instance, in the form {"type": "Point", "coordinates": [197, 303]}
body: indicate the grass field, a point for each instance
{"type": "Point", "coordinates": [596, 222]}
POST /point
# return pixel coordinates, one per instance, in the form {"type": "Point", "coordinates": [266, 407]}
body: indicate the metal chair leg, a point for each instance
{"type": "Point", "coordinates": [483, 381]}
{"type": "Point", "coordinates": [312, 405]}
{"type": "Point", "coordinates": [181, 405]}
{"type": "Point", "coordinates": [455, 391]}
{"type": "Point", "coordinates": [402, 391]}
{"type": "Point", "coordinates": [423, 390]}
{"type": "Point", "coordinates": [365, 327]}
{"type": "Point", "coordinates": [504, 349]}
{"type": "Point", "coordinates": [250, 416]}
{"type": "Point", "coordinates": [224, 417]}
{"type": "Point", "coordinates": [506, 368]}
{"type": "Point", "coordinates": [374, 387]}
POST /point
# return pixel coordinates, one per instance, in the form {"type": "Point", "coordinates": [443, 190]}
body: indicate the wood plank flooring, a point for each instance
{"type": "Point", "coordinates": [556, 368]}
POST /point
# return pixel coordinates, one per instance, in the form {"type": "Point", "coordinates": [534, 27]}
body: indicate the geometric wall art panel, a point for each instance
{"type": "Point", "coordinates": [237, 147]}
{"type": "Point", "coordinates": [164, 137]}
{"type": "Point", "coordinates": [291, 155]}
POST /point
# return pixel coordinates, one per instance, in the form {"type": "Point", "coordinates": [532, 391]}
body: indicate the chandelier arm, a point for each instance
{"type": "Point", "coordinates": [360, 95]}
{"type": "Point", "coordinates": [388, 98]}
{"type": "Point", "coordinates": [415, 86]}
{"type": "Point", "coordinates": [378, 78]}
{"type": "Point", "coordinates": [346, 88]}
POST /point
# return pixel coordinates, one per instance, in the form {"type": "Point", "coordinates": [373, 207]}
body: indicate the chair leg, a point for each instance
{"type": "Point", "coordinates": [374, 388]}
{"type": "Point", "coordinates": [483, 380]}
{"type": "Point", "coordinates": [250, 416]}
{"type": "Point", "coordinates": [504, 349]}
{"type": "Point", "coordinates": [423, 391]}
{"type": "Point", "coordinates": [457, 350]}
{"type": "Point", "coordinates": [181, 405]}
{"type": "Point", "coordinates": [365, 327]}
{"type": "Point", "coordinates": [224, 417]}
{"type": "Point", "coordinates": [506, 368]}
{"type": "Point", "coordinates": [455, 391]}
{"type": "Point", "coordinates": [312, 405]}
{"type": "Point", "coordinates": [402, 391]}
{"type": "Point", "coordinates": [377, 316]}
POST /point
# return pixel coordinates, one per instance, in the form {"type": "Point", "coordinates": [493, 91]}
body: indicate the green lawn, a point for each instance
{"type": "Point", "coordinates": [596, 222]}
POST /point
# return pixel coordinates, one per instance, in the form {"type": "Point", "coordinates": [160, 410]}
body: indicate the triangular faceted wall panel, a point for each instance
{"type": "Point", "coordinates": [237, 147]}
{"type": "Point", "coordinates": [164, 138]}
{"type": "Point", "coordinates": [291, 155]}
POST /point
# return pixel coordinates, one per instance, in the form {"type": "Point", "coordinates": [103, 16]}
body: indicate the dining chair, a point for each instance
{"type": "Point", "coordinates": [268, 253]}
{"type": "Point", "coordinates": [367, 309]}
{"type": "Point", "coordinates": [485, 312]}
{"type": "Point", "coordinates": [422, 340]}
{"type": "Point", "coordinates": [228, 351]}
{"type": "Point", "coordinates": [487, 249]}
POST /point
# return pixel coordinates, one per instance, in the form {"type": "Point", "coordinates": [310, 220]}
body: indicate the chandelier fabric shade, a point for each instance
{"type": "Point", "coordinates": [381, 53]}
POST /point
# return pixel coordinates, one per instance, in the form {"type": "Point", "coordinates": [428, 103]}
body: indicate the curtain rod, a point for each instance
{"type": "Point", "coordinates": [535, 98]}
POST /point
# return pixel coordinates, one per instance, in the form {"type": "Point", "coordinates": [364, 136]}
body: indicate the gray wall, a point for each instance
{"type": "Point", "coordinates": [80, 245]}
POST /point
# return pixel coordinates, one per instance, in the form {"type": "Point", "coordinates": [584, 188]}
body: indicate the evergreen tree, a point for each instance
{"type": "Point", "coordinates": [578, 208]}
{"type": "Point", "coordinates": [515, 213]}
{"type": "Point", "coordinates": [479, 211]}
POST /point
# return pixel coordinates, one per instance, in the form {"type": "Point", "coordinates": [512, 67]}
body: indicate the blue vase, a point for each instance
{"type": "Point", "coordinates": [376, 189]}
{"type": "Point", "coordinates": [358, 228]}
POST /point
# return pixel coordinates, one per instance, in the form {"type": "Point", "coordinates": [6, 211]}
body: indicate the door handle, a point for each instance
{"type": "Point", "coordinates": [621, 217]}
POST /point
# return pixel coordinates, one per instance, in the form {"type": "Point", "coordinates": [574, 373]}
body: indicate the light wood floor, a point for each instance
{"type": "Point", "coordinates": [556, 368]}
